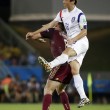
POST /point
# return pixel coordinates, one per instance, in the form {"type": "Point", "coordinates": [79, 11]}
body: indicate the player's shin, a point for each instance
{"type": "Point", "coordinates": [59, 60]}
{"type": "Point", "coordinates": [78, 82]}
{"type": "Point", "coordinates": [47, 100]}
{"type": "Point", "coordinates": [65, 101]}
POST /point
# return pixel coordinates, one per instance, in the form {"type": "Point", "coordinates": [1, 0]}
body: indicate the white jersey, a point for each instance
{"type": "Point", "coordinates": [73, 21]}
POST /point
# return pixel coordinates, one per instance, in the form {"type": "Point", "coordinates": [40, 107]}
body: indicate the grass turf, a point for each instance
{"type": "Point", "coordinates": [38, 106]}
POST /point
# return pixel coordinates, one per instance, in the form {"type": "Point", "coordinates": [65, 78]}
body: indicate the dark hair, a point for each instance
{"type": "Point", "coordinates": [62, 26]}
{"type": "Point", "coordinates": [74, 2]}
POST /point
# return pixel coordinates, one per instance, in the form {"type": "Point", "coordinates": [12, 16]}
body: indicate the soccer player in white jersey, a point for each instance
{"type": "Point", "coordinates": [77, 44]}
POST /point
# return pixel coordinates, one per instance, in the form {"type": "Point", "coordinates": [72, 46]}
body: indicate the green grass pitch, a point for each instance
{"type": "Point", "coordinates": [38, 106]}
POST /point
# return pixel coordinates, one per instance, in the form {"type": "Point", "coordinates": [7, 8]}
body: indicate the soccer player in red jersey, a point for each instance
{"type": "Point", "coordinates": [75, 24]}
{"type": "Point", "coordinates": [61, 75]}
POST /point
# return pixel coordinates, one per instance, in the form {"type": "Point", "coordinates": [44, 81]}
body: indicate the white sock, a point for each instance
{"type": "Point", "coordinates": [78, 82]}
{"type": "Point", "coordinates": [59, 60]}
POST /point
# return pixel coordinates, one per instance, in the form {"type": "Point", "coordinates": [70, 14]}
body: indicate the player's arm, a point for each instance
{"type": "Point", "coordinates": [45, 27]}
{"type": "Point", "coordinates": [83, 26]}
{"type": "Point", "coordinates": [80, 35]}
{"type": "Point", "coordinates": [36, 36]}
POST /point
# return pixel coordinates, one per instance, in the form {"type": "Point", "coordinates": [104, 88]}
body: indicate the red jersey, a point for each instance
{"type": "Point", "coordinates": [60, 73]}
{"type": "Point", "coordinates": [56, 41]}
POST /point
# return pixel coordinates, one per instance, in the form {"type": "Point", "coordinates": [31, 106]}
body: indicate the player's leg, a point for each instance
{"type": "Point", "coordinates": [63, 96]}
{"type": "Point", "coordinates": [78, 82]}
{"type": "Point", "coordinates": [68, 52]}
{"type": "Point", "coordinates": [48, 90]}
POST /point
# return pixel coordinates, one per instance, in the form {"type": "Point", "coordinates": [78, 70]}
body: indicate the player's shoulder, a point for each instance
{"type": "Point", "coordinates": [77, 10]}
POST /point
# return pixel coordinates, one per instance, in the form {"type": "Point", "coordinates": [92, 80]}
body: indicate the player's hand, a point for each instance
{"type": "Point", "coordinates": [71, 41]}
{"type": "Point", "coordinates": [29, 35]}
{"type": "Point", "coordinates": [41, 40]}
{"type": "Point", "coordinates": [64, 36]}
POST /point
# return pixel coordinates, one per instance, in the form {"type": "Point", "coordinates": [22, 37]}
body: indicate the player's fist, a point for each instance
{"type": "Point", "coordinates": [29, 35]}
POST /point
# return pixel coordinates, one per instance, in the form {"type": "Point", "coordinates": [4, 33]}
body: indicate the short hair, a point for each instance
{"type": "Point", "coordinates": [74, 2]}
{"type": "Point", "coordinates": [62, 26]}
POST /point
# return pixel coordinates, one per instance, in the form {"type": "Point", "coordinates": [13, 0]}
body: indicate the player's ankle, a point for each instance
{"type": "Point", "coordinates": [51, 66]}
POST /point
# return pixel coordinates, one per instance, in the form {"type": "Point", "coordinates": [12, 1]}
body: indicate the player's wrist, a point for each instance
{"type": "Point", "coordinates": [74, 40]}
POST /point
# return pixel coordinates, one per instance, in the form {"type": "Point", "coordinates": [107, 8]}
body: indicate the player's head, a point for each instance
{"type": "Point", "coordinates": [67, 3]}
{"type": "Point", "coordinates": [75, 1]}
{"type": "Point", "coordinates": [60, 26]}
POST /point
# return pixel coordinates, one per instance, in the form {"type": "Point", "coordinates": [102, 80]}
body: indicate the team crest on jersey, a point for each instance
{"type": "Point", "coordinates": [73, 19]}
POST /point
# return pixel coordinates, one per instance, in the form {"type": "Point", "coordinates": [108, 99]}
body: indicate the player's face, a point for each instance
{"type": "Point", "coordinates": [66, 3]}
{"type": "Point", "coordinates": [57, 27]}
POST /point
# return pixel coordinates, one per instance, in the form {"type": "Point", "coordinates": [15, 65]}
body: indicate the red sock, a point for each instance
{"type": "Point", "coordinates": [65, 101]}
{"type": "Point", "coordinates": [47, 101]}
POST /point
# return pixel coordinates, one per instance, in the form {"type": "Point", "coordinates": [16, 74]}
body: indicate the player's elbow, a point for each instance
{"type": "Point", "coordinates": [85, 32]}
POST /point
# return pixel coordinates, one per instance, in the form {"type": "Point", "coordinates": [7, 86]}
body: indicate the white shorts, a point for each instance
{"type": "Point", "coordinates": [81, 47]}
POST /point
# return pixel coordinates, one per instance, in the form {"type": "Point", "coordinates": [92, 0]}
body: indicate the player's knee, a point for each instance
{"type": "Point", "coordinates": [70, 52]}
{"type": "Point", "coordinates": [74, 71]}
{"type": "Point", "coordinates": [48, 90]}
{"type": "Point", "coordinates": [75, 67]}
{"type": "Point", "coordinates": [60, 91]}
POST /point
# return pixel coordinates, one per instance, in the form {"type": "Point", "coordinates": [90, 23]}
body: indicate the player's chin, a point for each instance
{"type": "Point", "coordinates": [64, 5]}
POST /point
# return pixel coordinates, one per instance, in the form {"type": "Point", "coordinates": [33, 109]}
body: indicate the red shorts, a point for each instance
{"type": "Point", "coordinates": [61, 74]}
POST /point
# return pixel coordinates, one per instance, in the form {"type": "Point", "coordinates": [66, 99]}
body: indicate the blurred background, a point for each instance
{"type": "Point", "coordinates": [22, 79]}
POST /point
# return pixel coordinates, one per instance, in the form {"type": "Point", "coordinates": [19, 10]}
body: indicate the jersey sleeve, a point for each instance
{"type": "Point", "coordinates": [82, 22]}
{"type": "Point", "coordinates": [47, 33]}
{"type": "Point", "coordinates": [58, 18]}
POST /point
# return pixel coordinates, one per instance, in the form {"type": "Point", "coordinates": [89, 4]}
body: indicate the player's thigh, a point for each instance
{"type": "Point", "coordinates": [70, 52]}
{"type": "Point", "coordinates": [61, 88]}
{"type": "Point", "coordinates": [51, 86]}
{"type": "Point", "coordinates": [75, 67]}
